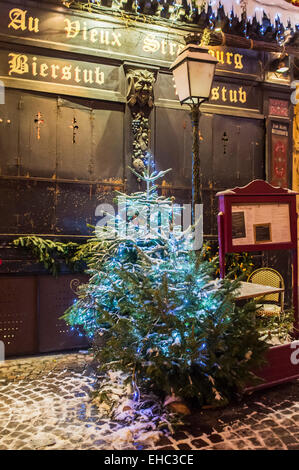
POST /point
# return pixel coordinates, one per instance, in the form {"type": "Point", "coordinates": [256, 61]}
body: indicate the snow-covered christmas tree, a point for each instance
{"type": "Point", "coordinates": [154, 312]}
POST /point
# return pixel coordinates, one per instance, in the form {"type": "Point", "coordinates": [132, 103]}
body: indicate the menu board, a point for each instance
{"type": "Point", "coordinates": [260, 223]}
{"type": "Point", "coordinates": [238, 225]}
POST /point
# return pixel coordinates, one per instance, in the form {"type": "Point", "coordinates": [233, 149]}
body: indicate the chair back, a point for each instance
{"type": "Point", "coordinates": [269, 277]}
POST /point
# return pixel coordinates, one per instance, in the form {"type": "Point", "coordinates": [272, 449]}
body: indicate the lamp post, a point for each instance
{"type": "Point", "coordinates": [193, 72]}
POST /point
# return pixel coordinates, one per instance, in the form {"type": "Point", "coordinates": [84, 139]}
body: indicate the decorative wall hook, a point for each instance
{"type": "Point", "coordinates": [225, 141]}
{"type": "Point", "coordinates": [75, 127]}
{"type": "Point", "coordinates": [38, 121]}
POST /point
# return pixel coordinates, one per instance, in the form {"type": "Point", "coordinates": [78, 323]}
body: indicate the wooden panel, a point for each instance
{"type": "Point", "coordinates": [26, 206]}
{"type": "Point", "coordinates": [164, 88]}
{"type": "Point", "coordinates": [9, 133]}
{"type": "Point", "coordinates": [76, 205]}
{"type": "Point", "coordinates": [94, 152]}
{"type": "Point", "coordinates": [224, 151]}
{"type": "Point", "coordinates": [210, 212]}
{"type": "Point", "coordinates": [74, 145]}
{"type": "Point", "coordinates": [250, 151]}
{"type": "Point", "coordinates": [94, 148]}
{"type": "Point", "coordinates": [75, 208]}
{"type": "Point", "coordinates": [35, 207]}
{"type": "Point", "coordinates": [205, 149]}
{"type": "Point", "coordinates": [231, 153]}
{"type": "Point", "coordinates": [9, 210]}
{"type": "Point", "coordinates": [238, 151]}
{"type": "Point", "coordinates": [18, 315]}
{"type": "Point", "coordinates": [38, 135]}
{"type": "Point", "coordinates": [107, 143]}
{"type": "Point", "coordinates": [173, 145]}
{"type": "Point", "coordinates": [56, 295]}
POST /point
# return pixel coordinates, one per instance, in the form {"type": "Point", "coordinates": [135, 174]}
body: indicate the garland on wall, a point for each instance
{"type": "Point", "coordinates": [51, 254]}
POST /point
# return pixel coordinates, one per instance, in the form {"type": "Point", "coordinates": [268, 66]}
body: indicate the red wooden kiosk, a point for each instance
{"type": "Point", "coordinates": [260, 217]}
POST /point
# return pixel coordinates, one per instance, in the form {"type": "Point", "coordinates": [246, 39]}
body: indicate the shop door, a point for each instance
{"type": "Point", "coordinates": [231, 148]}
{"type": "Point", "coordinates": [238, 151]}
{"type": "Point", "coordinates": [233, 155]}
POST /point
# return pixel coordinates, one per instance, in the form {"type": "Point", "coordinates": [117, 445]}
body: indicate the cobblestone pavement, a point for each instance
{"type": "Point", "coordinates": [45, 404]}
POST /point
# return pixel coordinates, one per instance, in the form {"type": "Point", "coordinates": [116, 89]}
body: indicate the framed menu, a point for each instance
{"type": "Point", "coordinates": [262, 233]}
{"type": "Point", "coordinates": [260, 223]}
{"type": "Point", "coordinates": [238, 225]}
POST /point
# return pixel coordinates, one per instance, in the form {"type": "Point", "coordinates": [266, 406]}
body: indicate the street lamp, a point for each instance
{"type": "Point", "coordinates": [193, 72]}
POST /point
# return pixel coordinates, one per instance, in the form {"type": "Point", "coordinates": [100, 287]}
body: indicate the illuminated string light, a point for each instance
{"type": "Point", "coordinates": [188, 12]}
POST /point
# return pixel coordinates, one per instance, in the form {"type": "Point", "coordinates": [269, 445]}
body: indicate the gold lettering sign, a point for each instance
{"type": "Point", "coordinates": [74, 29]}
{"type": "Point", "coordinates": [21, 64]}
{"type": "Point", "coordinates": [100, 36]}
{"type": "Point", "coordinates": [152, 44]}
{"type": "Point", "coordinates": [223, 95]}
{"type": "Point", "coordinates": [228, 58]}
{"type": "Point", "coordinates": [19, 19]}
{"type": "Point", "coordinates": [18, 64]}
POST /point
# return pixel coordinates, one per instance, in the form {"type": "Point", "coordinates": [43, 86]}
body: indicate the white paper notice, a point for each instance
{"type": "Point", "coordinates": [264, 223]}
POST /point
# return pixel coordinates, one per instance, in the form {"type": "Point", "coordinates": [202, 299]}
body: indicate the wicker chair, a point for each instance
{"type": "Point", "coordinates": [273, 304]}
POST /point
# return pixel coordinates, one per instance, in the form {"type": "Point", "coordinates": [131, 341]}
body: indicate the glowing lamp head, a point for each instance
{"type": "Point", "coordinates": [193, 72]}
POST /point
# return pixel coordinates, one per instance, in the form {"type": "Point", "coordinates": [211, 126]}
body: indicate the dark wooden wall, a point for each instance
{"type": "Point", "coordinates": [52, 185]}
{"type": "Point", "coordinates": [48, 185]}
{"type": "Point", "coordinates": [30, 314]}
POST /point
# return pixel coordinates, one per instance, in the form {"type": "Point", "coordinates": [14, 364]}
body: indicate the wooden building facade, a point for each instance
{"type": "Point", "coordinates": [66, 140]}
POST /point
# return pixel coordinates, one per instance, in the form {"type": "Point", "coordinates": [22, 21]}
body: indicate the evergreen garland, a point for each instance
{"type": "Point", "coordinates": [52, 253]}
